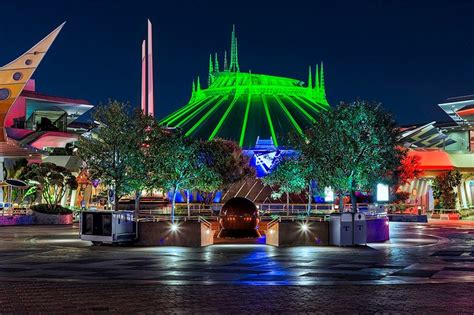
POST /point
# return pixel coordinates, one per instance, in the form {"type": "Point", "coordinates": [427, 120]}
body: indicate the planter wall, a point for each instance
{"type": "Point", "coordinates": [42, 218]}
{"type": "Point", "coordinates": [188, 234]}
{"type": "Point", "coordinates": [16, 220]}
{"type": "Point", "coordinates": [290, 233]}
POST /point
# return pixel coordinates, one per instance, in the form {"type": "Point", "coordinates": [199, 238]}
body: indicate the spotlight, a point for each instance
{"type": "Point", "coordinates": [174, 227]}
{"type": "Point", "coordinates": [304, 227]}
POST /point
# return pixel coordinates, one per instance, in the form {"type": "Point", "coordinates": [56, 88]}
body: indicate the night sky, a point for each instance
{"type": "Point", "coordinates": [409, 55]}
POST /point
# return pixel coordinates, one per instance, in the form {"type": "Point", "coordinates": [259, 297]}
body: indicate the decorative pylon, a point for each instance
{"type": "Point", "coordinates": [151, 99]}
{"type": "Point", "coordinates": [316, 80]}
{"type": "Point", "coordinates": [234, 58]}
{"type": "Point", "coordinates": [144, 109]}
{"type": "Point", "coordinates": [211, 71]}
{"type": "Point", "coordinates": [310, 79]}
{"type": "Point", "coordinates": [322, 84]}
{"type": "Point", "coordinates": [225, 61]}
{"type": "Point", "coordinates": [147, 91]}
{"type": "Point", "coordinates": [216, 63]}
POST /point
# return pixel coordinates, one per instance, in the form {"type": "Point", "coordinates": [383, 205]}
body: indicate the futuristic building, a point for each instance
{"type": "Point", "coordinates": [35, 126]}
{"type": "Point", "coordinates": [244, 106]}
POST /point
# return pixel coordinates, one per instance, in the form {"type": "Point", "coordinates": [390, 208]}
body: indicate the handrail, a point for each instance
{"type": "Point", "coordinates": [273, 222]}
{"type": "Point", "coordinates": [205, 222]}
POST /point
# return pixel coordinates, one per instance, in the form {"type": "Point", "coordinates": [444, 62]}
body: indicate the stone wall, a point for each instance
{"type": "Point", "coordinates": [291, 233]}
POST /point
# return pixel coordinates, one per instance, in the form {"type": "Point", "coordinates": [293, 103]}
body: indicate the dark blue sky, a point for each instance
{"type": "Point", "coordinates": [408, 55]}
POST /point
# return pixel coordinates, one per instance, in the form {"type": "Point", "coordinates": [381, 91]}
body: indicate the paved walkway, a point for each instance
{"type": "Point", "coordinates": [425, 267]}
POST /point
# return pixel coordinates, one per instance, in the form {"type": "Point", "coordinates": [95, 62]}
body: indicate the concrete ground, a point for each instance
{"type": "Point", "coordinates": [424, 268]}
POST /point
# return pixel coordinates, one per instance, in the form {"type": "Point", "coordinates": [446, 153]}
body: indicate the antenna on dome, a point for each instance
{"type": "Point", "coordinates": [234, 58]}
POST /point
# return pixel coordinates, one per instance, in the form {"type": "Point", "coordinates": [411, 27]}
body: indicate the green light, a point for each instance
{"type": "Point", "coordinates": [246, 118]}
{"type": "Point", "coordinates": [270, 123]}
{"type": "Point", "coordinates": [288, 114]}
{"type": "Point", "coordinates": [200, 109]}
{"type": "Point", "coordinates": [223, 108]}
{"type": "Point", "coordinates": [203, 118]}
{"type": "Point", "coordinates": [221, 121]}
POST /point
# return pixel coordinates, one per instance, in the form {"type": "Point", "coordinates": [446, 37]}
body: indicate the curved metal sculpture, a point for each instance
{"type": "Point", "coordinates": [15, 75]}
{"type": "Point", "coordinates": [239, 218]}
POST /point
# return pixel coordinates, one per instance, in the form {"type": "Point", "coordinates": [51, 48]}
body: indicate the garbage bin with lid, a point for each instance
{"type": "Point", "coordinates": [341, 229]}
{"type": "Point", "coordinates": [360, 229]}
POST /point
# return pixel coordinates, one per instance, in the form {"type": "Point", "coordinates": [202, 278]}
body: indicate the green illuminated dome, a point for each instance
{"type": "Point", "coordinates": [244, 106]}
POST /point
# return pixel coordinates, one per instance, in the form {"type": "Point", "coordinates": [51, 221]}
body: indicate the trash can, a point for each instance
{"type": "Point", "coordinates": [360, 229]}
{"type": "Point", "coordinates": [341, 229]}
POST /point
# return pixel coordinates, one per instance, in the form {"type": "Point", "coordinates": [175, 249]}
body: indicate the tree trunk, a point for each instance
{"type": "Point", "coordinates": [116, 201]}
{"type": "Point", "coordinates": [187, 202]}
{"type": "Point", "coordinates": [287, 204]}
{"type": "Point", "coordinates": [353, 201]}
{"type": "Point", "coordinates": [310, 197]}
{"type": "Point", "coordinates": [341, 202]}
{"type": "Point", "coordinates": [173, 203]}
{"type": "Point", "coordinates": [353, 196]}
{"type": "Point", "coordinates": [138, 195]}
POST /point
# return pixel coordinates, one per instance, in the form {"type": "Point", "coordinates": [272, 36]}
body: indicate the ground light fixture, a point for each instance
{"type": "Point", "coordinates": [174, 227]}
{"type": "Point", "coordinates": [304, 227]}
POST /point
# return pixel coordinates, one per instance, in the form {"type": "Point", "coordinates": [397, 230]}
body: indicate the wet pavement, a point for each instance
{"type": "Point", "coordinates": [426, 257]}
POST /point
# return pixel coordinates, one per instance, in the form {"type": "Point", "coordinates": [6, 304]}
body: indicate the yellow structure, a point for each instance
{"type": "Point", "coordinates": [15, 75]}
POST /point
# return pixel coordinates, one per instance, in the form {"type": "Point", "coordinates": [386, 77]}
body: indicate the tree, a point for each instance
{"type": "Point", "coordinates": [288, 177]}
{"type": "Point", "coordinates": [226, 165]}
{"type": "Point", "coordinates": [51, 180]}
{"type": "Point", "coordinates": [408, 169]}
{"type": "Point", "coordinates": [172, 162]}
{"type": "Point", "coordinates": [352, 147]}
{"type": "Point", "coordinates": [443, 189]}
{"type": "Point", "coordinates": [111, 151]}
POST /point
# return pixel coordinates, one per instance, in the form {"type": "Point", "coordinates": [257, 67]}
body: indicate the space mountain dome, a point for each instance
{"type": "Point", "coordinates": [245, 106]}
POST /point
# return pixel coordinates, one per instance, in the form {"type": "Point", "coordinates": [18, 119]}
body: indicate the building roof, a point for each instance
{"type": "Point", "coordinates": [244, 106]}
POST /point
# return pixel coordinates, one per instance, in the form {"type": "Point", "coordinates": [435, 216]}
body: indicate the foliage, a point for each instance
{"type": "Point", "coordinates": [51, 180]}
{"type": "Point", "coordinates": [288, 177]}
{"type": "Point", "coordinates": [401, 196]}
{"type": "Point", "coordinates": [443, 189]}
{"type": "Point", "coordinates": [225, 163]}
{"type": "Point", "coordinates": [112, 151]}
{"type": "Point", "coordinates": [352, 147]}
{"type": "Point", "coordinates": [44, 208]}
{"type": "Point", "coordinates": [408, 169]}
{"type": "Point", "coordinates": [171, 162]}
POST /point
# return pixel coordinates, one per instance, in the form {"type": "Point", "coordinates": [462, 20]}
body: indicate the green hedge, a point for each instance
{"type": "Point", "coordinates": [43, 208]}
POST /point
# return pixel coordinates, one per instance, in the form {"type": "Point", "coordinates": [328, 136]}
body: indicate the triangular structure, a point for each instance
{"type": "Point", "coordinates": [15, 75]}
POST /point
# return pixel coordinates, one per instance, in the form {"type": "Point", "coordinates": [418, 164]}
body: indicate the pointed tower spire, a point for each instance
{"type": "Point", "coordinates": [322, 84]}
{"type": "Point", "coordinates": [310, 79]}
{"type": "Point", "coordinates": [316, 81]}
{"type": "Point", "coordinates": [198, 85]}
{"type": "Point", "coordinates": [216, 63]}
{"type": "Point", "coordinates": [225, 61]}
{"type": "Point", "coordinates": [144, 110]}
{"type": "Point", "coordinates": [211, 71]}
{"type": "Point", "coordinates": [193, 91]}
{"type": "Point", "coordinates": [234, 58]}
{"type": "Point", "coordinates": [151, 101]}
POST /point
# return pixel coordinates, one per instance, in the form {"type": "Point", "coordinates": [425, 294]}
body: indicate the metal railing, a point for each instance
{"type": "Point", "coordinates": [273, 222]}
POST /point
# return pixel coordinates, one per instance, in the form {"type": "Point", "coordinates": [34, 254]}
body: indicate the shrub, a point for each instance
{"type": "Point", "coordinates": [44, 208]}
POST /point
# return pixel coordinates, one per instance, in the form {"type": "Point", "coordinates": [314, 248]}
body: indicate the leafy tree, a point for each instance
{"type": "Point", "coordinates": [443, 189]}
{"type": "Point", "coordinates": [111, 151]}
{"type": "Point", "coordinates": [408, 169]}
{"type": "Point", "coordinates": [288, 177]}
{"type": "Point", "coordinates": [226, 165]}
{"type": "Point", "coordinates": [352, 147]}
{"type": "Point", "coordinates": [51, 180]}
{"type": "Point", "coordinates": [172, 162]}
